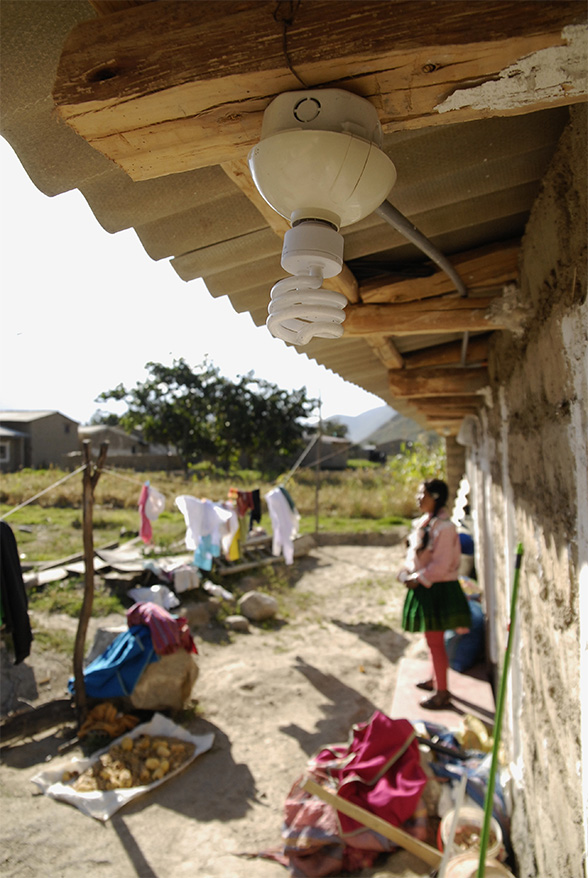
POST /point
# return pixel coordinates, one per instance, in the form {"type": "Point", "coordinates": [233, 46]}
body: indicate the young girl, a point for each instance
{"type": "Point", "coordinates": [435, 601]}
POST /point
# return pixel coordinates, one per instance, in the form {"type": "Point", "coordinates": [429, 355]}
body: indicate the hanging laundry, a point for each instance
{"type": "Point", "coordinates": [285, 522]}
{"type": "Point", "coordinates": [155, 504]}
{"type": "Point", "coordinates": [247, 501]}
{"type": "Point", "coordinates": [145, 530]}
{"type": "Point", "coordinates": [204, 520]}
{"type": "Point", "coordinates": [14, 615]}
{"type": "Point", "coordinates": [229, 530]}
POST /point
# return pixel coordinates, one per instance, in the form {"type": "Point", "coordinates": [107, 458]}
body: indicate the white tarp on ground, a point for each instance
{"type": "Point", "coordinates": [103, 804]}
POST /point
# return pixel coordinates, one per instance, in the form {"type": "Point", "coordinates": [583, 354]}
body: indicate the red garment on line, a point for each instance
{"type": "Point", "coordinates": [145, 531]}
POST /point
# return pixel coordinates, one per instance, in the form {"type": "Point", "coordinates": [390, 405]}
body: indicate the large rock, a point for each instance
{"type": "Point", "coordinates": [237, 623]}
{"type": "Point", "coordinates": [166, 684]}
{"type": "Point", "coordinates": [258, 606]}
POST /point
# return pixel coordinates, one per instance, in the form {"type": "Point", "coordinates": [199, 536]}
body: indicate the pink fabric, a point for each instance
{"type": "Point", "coordinates": [380, 770]}
{"type": "Point", "coordinates": [440, 560]}
{"type": "Point", "coordinates": [145, 530]}
{"type": "Point", "coordinates": [436, 643]}
{"type": "Point", "coordinates": [168, 633]}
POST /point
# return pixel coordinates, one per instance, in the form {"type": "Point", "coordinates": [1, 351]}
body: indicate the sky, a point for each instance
{"type": "Point", "coordinates": [82, 311]}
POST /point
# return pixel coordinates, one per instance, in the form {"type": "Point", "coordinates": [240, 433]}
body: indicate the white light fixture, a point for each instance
{"type": "Point", "coordinates": [318, 164]}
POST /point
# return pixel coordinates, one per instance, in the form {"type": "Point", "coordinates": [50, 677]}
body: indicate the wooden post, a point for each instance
{"type": "Point", "coordinates": [91, 475]}
{"type": "Point", "coordinates": [318, 469]}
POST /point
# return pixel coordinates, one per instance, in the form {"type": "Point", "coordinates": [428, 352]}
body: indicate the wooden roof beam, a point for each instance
{"type": "Point", "coordinates": [443, 381]}
{"type": "Point", "coordinates": [433, 316]}
{"type": "Point", "coordinates": [449, 354]}
{"type": "Point", "coordinates": [386, 351]}
{"type": "Point", "coordinates": [171, 86]}
{"type": "Point", "coordinates": [481, 269]}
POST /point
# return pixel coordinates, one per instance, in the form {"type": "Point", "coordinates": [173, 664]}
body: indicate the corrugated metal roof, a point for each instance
{"type": "Point", "coordinates": [25, 417]}
{"type": "Point", "coordinates": [464, 185]}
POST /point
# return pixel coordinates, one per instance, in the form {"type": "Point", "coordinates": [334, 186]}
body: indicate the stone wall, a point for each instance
{"type": "Point", "coordinates": [528, 466]}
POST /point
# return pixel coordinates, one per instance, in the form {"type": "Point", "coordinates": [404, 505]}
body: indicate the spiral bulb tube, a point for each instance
{"type": "Point", "coordinates": [300, 310]}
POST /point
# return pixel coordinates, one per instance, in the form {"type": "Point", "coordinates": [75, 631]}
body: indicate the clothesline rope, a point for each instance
{"type": "Point", "coordinates": [45, 490]}
{"type": "Point", "coordinates": [113, 472]}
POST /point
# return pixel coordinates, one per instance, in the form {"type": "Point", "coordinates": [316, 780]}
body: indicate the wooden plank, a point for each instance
{"type": "Point", "coordinates": [482, 269]}
{"type": "Point", "coordinates": [431, 316]}
{"type": "Point", "coordinates": [107, 7]}
{"type": "Point", "coordinates": [385, 349]}
{"type": "Point", "coordinates": [444, 381]}
{"type": "Point", "coordinates": [172, 86]}
{"type": "Point", "coordinates": [420, 849]}
{"type": "Point", "coordinates": [450, 353]}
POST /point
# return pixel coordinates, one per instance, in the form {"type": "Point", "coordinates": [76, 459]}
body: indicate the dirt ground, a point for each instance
{"type": "Point", "coordinates": [271, 697]}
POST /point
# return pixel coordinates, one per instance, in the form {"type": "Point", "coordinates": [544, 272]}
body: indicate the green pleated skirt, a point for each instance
{"type": "Point", "coordinates": [442, 607]}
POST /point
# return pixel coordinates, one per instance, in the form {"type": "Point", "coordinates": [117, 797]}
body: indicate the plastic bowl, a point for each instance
{"type": "Point", "coordinates": [469, 831]}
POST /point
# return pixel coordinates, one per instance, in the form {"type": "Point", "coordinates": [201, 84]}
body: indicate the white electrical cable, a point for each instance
{"type": "Point", "coordinates": [402, 224]}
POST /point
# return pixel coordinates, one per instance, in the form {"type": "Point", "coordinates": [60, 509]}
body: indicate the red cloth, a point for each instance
{"type": "Point", "coordinates": [379, 770]}
{"type": "Point", "coordinates": [145, 531]}
{"type": "Point", "coordinates": [168, 633]}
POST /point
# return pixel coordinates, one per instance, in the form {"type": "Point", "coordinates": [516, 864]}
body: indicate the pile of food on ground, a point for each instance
{"type": "Point", "coordinates": [133, 762]}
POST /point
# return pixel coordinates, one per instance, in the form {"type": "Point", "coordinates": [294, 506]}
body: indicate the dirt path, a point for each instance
{"type": "Point", "coordinates": [271, 697]}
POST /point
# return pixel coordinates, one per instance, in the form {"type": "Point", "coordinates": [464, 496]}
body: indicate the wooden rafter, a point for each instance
{"type": "Point", "coordinates": [434, 316]}
{"type": "Point", "coordinates": [482, 269]}
{"type": "Point", "coordinates": [386, 351]}
{"type": "Point", "coordinates": [449, 354]}
{"type": "Point", "coordinates": [172, 86]}
{"type": "Point", "coordinates": [442, 381]}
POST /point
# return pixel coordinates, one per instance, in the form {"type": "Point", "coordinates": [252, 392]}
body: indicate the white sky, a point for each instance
{"type": "Point", "coordinates": [82, 311]}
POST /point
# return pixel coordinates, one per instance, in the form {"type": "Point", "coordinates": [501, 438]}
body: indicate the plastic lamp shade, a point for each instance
{"type": "Point", "coordinates": [326, 175]}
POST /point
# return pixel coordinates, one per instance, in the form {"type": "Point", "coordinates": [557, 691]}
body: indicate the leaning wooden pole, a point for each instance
{"type": "Point", "coordinates": [91, 475]}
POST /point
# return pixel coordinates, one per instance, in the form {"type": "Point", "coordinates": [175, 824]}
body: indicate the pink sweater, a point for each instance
{"type": "Point", "coordinates": [439, 561]}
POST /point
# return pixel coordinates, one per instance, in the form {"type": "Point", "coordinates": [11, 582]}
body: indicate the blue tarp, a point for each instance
{"type": "Point", "coordinates": [116, 671]}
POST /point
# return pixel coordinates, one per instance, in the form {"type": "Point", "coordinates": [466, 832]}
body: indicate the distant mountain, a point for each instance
{"type": "Point", "coordinates": [398, 429]}
{"type": "Point", "coordinates": [359, 427]}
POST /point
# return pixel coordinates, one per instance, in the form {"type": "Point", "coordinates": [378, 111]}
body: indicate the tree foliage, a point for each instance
{"type": "Point", "coordinates": [333, 427]}
{"type": "Point", "coordinates": [205, 416]}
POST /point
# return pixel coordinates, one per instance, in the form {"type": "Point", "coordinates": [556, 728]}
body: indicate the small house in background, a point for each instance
{"type": "Point", "coordinates": [36, 439]}
{"type": "Point", "coordinates": [12, 449]}
{"type": "Point", "coordinates": [119, 442]}
{"type": "Point", "coordinates": [128, 450]}
{"type": "Point", "coordinates": [329, 452]}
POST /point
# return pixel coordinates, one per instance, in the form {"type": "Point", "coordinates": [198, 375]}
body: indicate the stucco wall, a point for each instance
{"type": "Point", "coordinates": [528, 464]}
{"type": "Point", "coordinates": [52, 437]}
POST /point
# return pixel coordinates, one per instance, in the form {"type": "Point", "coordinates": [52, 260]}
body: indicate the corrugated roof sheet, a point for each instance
{"type": "Point", "coordinates": [463, 185]}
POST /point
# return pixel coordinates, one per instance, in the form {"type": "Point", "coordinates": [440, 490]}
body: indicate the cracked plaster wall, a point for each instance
{"type": "Point", "coordinates": [528, 465]}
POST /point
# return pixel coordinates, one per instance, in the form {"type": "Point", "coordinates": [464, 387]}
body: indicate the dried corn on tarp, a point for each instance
{"type": "Point", "coordinates": [104, 803]}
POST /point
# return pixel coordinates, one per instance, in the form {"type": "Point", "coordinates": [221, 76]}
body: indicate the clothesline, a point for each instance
{"type": "Point", "coordinates": [45, 490]}
{"type": "Point", "coordinates": [113, 472]}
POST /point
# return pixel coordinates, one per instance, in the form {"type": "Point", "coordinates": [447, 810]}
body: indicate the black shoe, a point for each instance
{"type": "Point", "coordinates": [427, 685]}
{"type": "Point", "coordinates": [439, 701]}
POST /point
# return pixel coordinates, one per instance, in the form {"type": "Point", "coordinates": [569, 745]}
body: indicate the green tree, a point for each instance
{"type": "Point", "coordinates": [335, 428]}
{"type": "Point", "coordinates": [205, 416]}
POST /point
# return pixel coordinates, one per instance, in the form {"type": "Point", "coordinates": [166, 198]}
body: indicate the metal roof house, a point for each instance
{"type": "Point", "coordinates": [36, 439]}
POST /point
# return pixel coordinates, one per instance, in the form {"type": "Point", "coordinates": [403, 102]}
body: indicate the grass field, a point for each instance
{"type": "Point", "coordinates": [362, 498]}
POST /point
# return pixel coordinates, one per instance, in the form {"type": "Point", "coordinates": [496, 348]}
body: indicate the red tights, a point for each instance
{"type": "Point", "coordinates": [436, 643]}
